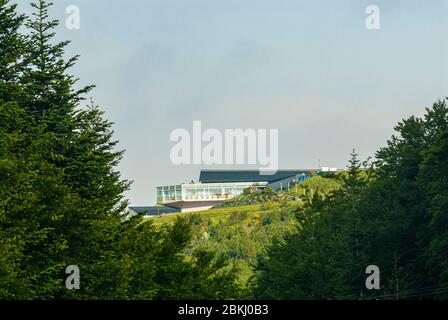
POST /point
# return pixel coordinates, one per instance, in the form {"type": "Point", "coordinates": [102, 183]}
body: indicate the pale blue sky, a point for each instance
{"type": "Point", "coordinates": [309, 68]}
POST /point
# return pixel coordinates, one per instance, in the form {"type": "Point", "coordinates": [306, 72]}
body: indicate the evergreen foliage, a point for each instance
{"type": "Point", "coordinates": [392, 214]}
{"type": "Point", "coordinates": [61, 196]}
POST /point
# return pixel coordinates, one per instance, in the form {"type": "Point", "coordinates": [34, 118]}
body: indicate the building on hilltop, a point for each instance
{"type": "Point", "coordinates": [217, 186]}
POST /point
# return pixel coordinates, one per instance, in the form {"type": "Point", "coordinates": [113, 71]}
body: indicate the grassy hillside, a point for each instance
{"type": "Point", "coordinates": [214, 215]}
{"type": "Point", "coordinates": [240, 233]}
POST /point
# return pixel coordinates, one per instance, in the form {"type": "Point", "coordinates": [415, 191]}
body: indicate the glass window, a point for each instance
{"type": "Point", "coordinates": [178, 193]}
{"type": "Point", "coordinates": [215, 193]}
{"type": "Point", "coordinates": [159, 194]}
{"type": "Point", "coordinates": [189, 193]}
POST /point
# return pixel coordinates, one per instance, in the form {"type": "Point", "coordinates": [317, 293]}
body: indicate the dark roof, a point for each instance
{"type": "Point", "coordinates": [216, 176]}
{"type": "Point", "coordinates": [153, 210]}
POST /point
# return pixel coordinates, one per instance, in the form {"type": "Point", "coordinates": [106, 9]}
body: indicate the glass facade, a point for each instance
{"type": "Point", "coordinates": [169, 193]}
{"type": "Point", "coordinates": [202, 191]}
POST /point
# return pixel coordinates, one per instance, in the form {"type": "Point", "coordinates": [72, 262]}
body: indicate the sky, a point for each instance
{"type": "Point", "coordinates": [310, 69]}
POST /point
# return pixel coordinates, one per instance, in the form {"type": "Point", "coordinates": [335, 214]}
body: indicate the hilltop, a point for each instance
{"type": "Point", "coordinates": [240, 232]}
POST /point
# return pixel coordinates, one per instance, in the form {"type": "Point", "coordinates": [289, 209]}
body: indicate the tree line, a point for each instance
{"type": "Point", "coordinates": [391, 213]}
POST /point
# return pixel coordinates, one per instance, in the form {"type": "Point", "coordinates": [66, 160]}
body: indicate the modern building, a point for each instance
{"type": "Point", "coordinates": [217, 186]}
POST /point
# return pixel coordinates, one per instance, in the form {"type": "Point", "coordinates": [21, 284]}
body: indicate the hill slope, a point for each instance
{"type": "Point", "coordinates": [240, 233]}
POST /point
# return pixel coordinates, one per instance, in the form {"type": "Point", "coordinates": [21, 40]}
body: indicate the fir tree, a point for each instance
{"type": "Point", "coordinates": [81, 148]}
{"type": "Point", "coordinates": [12, 48]}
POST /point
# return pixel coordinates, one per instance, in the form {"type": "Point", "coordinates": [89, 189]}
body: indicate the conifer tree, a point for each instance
{"type": "Point", "coordinates": [13, 140]}
{"type": "Point", "coordinates": [80, 147]}
{"type": "Point", "coordinates": [61, 196]}
{"type": "Point", "coordinates": [433, 179]}
{"type": "Point", "coordinates": [12, 48]}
